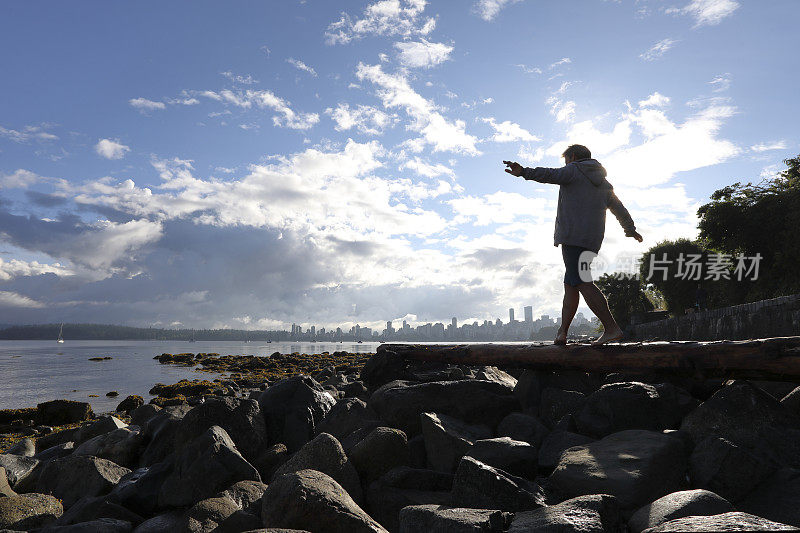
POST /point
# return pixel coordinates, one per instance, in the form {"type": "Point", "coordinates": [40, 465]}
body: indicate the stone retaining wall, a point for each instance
{"type": "Point", "coordinates": [778, 317]}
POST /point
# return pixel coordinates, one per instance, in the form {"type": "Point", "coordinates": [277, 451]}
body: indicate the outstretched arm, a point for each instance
{"type": "Point", "coordinates": [556, 176]}
{"type": "Point", "coordinates": [623, 216]}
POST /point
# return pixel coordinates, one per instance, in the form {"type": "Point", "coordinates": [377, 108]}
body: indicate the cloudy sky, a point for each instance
{"type": "Point", "coordinates": [253, 164]}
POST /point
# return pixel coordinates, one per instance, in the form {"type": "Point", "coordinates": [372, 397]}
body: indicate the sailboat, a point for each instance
{"type": "Point", "coordinates": [60, 339]}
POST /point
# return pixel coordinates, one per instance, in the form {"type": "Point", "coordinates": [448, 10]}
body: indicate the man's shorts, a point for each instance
{"type": "Point", "coordinates": [578, 264]}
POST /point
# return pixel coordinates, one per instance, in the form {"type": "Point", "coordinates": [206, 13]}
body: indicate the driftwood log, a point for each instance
{"type": "Point", "coordinates": [775, 358]}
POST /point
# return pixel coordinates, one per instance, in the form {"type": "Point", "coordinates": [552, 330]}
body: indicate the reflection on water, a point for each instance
{"type": "Point", "coordinates": [38, 371]}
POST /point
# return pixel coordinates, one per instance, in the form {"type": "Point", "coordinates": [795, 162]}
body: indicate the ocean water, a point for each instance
{"type": "Point", "coordinates": [32, 372]}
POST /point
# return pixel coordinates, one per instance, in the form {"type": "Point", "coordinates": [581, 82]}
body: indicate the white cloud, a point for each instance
{"type": "Point", "coordinates": [422, 54]}
{"type": "Point", "coordinates": [655, 100]}
{"type": "Point", "coordinates": [562, 61]}
{"type": "Point", "coordinates": [20, 179]}
{"type": "Point", "coordinates": [766, 147]}
{"type": "Point", "coordinates": [395, 91]}
{"type": "Point", "coordinates": [496, 208]}
{"type": "Point", "coordinates": [143, 104]}
{"type": "Point", "coordinates": [299, 65]}
{"type": "Point", "coordinates": [658, 49]}
{"type": "Point", "coordinates": [14, 299]}
{"type": "Point", "coordinates": [287, 117]}
{"type": "Point", "coordinates": [427, 170]}
{"type": "Point", "coordinates": [366, 119]}
{"type": "Point", "coordinates": [10, 269]}
{"type": "Point", "coordinates": [563, 110]}
{"type": "Point", "coordinates": [529, 70]}
{"type": "Point", "coordinates": [488, 9]}
{"type": "Point", "coordinates": [384, 17]}
{"type": "Point", "coordinates": [236, 78]}
{"type": "Point", "coordinates": [28, 133]}
{"type": "Point", "coordinates": [707, 12]}
{"type": "Point", "coordinates": [508, 131]}
{"type": "Point", "coordinates": [111, 149]}
{"type": "Point", "coordinates": [721, 83]}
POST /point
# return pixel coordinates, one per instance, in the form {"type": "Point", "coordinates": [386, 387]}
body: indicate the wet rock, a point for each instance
{"type": "Point", "coordinates": [415, 518]}
{"type": "Point", "coordinates": [325, 454]}
{"type": "Point", "coordinates": [478, 485]}
{"type": "Point", "coordinates": [24, 447]}
{"type": "Point", "coordinates": [101, 525]}
{"type": "Point", "coordinates": [241, 419]}
{"type": "Point", "coordinates": [514, 456]}
{"type": "Point", "coordinates": [632, 405]}
{"type": "Point", "coordinates": [29, 511]}
{"type": "Point", "coordinates": [726, 469]}
{"type": "Point", "coordinates": [555, 404]}
{"type": "Point", "coordinates": [473, 401]}
{"type": "Point", "coordinates": [681, 504]}
{"type": "Point", "coordinates": [447, 439]}
{"type": "Point", "coordinates": [311, 500]}
{"type": "Point", "coordinates": [554, 445]}
{"type": "Point", "coordinates": [129, 404]}
{"type": "Point", "coordinates": [636, 466]}
{"type": "Point", "coordinates": [5, 488]}
{"type": "Point", "coordinates": [777, 498]}
{"type": "Point", "coordinates": [596, 513]}
{"type": "Point", "coordinates": [347, 416]}
{"type": "Point", "coordinates": [292, 409]}
{"type": "Point", "coordinates": [377, 453]}
{"type": "Point", "coordinates": [748, 417]}
{"type": "Point", "coordinates": [17, 467]}
{"type": "Point", "coordinates": [720, 523]}
{"type": "Point", "coordinates": [120, 446]}
{"type": "Point", "coordinates": [90, 508]}
{"type": "Point", "coordinates": [520, 426]}
{"type": "Point", "coordinates": [207, 465]}
{"type": "Point", "coordinates": [62, 412]}
{"type": "Point", "coordinates": [76, 476]}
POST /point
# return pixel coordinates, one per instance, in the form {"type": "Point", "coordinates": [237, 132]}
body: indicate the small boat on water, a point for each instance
{"type": "Point", "coordinates": [60, 339]}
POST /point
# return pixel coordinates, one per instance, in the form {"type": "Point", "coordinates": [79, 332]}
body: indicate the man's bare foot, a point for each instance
{"type": "Point", "coordinates": [609, 336]}
{"type": "Point", "coordinates": [561, 338]}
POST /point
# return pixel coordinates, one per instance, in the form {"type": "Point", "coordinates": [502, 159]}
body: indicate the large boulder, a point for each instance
{"type": "Point", "coordinates": [416, 518]}
{"type": "Point", "coordinates": [169, 521]}
{"type": "Point", "coordinates": [520, 426]}
{"type": "Point", "coordinates": [726, 469]}
{"type": "Point", "coordinates": [311, 500]}
{"type": "Point", "coordinates": [120, 446]}
{"type": "Point", "coordinates": [348, 415]}
{"type": "Point", "coordinates": [99, 525]}
{"type": "Point", "coordinates": [777, 498]}
{"type": "Point", "coordinates": [138, 490]}
{"type": "Point", "coordinates": [721, 523]}
{"type": "Point", "coordinates": [531, 383]}
{"type": "Point", "coordinates": [680, 504]}
{"type": "Point", "coordinates": [447, 439]}
{"type": "Point", "coordinates": [5, 488]}
{"type": "Point", "coordinates": [207, 515]}
{"type": "Point", "coordinates": [384, 501]}
{"type": "Point", "coordinates": [380, 451]}
{"type": "Point", "coordinates": [596, 513]}
{"type": "Point", "coordinates": [636, 466]}
{"type": "Point", "coordinates": [101, 426]}
{"type": "Point", "coordinates": [514, 456]}
{"type": "Point", "coordinates": [129, 404]}
{"type": "Point", "coordinates": [556, 403]}
{"type": "Point", "coordinates": [246, 494]}
{"type": "Point", "coordinates": [90, 508]}
{"type": "Point", "coordinates": [746, 416]}
{"type": "Point", "coordinates": [473, 401]}
{"type": "Point", "coordinates": [17, 467]}
{"type": "Point", "coordinates": [241, 419]}
{"type": "Point", "coordinates": [383, 367]}
{"type": "Point", "coordinates": [25, 447]}
{"type": "Point", "coordinates": [405, 477]}
{"type": "Point", "coordinates": [143, 413]}
{"type": "Point", "coordinates": [55, 452]}
{"type": "Point", "coordinates": [633, 405]}
{"type": "Point", "coordinates": [554, 445]}
{"type": "Point", "coordinates": [207, 465]}
{"type": "Point", "coordinates": [292, 409]}
{"type": "Point", "coordinates": [29, 511]}
{"type": "Point", "coordinates": [158, 436]}
{"type": "Point", "coordinates": [492, 373]}
{"type": "Point", "coordinates": [76, 476]}
{"type": "Point", "coordinates": [62, 412]}
{"type": "Point", "coordinates": [325, 454]}
{"type": "Point", "coordinates": [481, 486]}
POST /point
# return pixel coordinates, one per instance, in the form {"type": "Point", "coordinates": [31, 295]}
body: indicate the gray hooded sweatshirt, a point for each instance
{"type": "Point", "coordinates": [583, 197]}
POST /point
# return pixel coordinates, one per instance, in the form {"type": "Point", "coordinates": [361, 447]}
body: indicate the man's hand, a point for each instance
{"type": "Point", "coordinates": [636, 236]}
{"type": "Point", "coordinates": [515, 169]}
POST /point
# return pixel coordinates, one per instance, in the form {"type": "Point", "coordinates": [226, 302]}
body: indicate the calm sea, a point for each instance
{"type": "Point", "coordinates": [38, 371]}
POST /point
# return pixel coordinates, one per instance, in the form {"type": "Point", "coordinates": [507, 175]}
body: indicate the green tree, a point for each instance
{"type": "Point", "coordinates": [761, 219]}
{"type": "Point", "coordinates": [626, 296]}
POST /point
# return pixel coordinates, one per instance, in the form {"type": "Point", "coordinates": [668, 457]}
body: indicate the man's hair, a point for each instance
{"type": "Point", "coordinates": [577, 151]}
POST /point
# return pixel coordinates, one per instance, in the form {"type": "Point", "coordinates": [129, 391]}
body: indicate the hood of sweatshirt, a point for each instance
{"type": "Point", "coordinates": [592, 169]}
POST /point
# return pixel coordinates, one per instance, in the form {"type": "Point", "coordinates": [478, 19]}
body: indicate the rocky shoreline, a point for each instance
{"type": "Point", "coordinates": [362, 442]}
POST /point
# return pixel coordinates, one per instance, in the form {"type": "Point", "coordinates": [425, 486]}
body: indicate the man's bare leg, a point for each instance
{"type": "Point", "coordinates": [599, 306]}
{"type": "Point", "coordinates": [568, 308]}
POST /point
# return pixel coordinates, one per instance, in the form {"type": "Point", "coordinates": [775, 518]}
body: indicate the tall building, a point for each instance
{"type": "Point", "coordinates": [511, 314]}
{"type": "Point", "coordinates": [454, 322]}
{"type": "Point", "coordinates": [528, 313]}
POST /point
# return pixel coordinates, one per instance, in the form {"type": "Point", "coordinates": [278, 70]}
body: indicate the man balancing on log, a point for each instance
{"type": "Point", "coordinates": [583, 197]}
